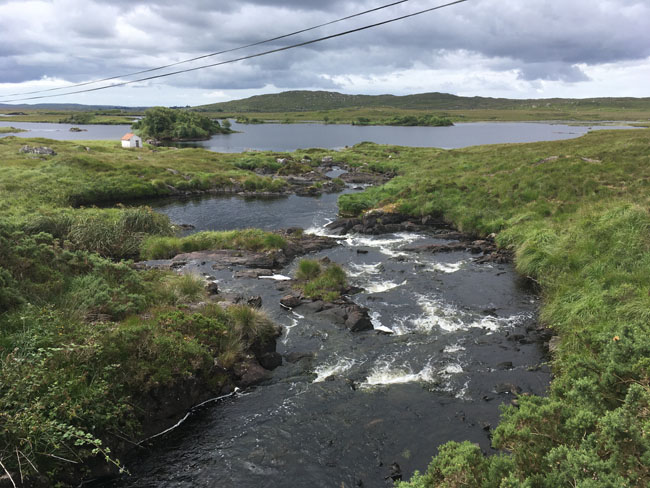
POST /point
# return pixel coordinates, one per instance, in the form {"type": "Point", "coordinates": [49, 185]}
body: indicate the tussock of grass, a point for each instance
{"type": "Point", "coordinates": [248, 239]}
{"type": "Point", "coordinates": [321, 282]}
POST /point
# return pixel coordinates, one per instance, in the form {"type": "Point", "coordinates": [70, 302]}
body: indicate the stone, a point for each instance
{"type": "Point", "coordinates": [358, 319]}
{"type": "Point", "coordinates": [271, 360]}
{"type": "Point", "coordinates": [290, 301]}
{"type": "Point", "coordinates": [212, 288]}
{"type": "Point", "coordinates": [44, 150]}
{"type": "Point", "coordinates": [255, 302]}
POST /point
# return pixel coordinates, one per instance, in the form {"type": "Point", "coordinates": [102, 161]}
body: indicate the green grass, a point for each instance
{"type": "Point", "coordinates": [247, 239]}
{"type": "Point", "coordinates": [10, 130]}
{"type": "Point", "coordinates": [320, 282]}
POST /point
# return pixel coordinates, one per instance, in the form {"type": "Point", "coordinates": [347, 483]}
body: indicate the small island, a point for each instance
{"type": "Point", "coordinates": [10, 130]}
{"type": "Point", "coordinates": [168, 124]}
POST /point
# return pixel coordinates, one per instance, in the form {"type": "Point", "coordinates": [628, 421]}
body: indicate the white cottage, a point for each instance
{"type": "Point", "coordinates": [131, 140]}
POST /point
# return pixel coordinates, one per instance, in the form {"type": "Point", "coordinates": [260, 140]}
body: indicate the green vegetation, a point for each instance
{"type": "Point", "coordinates": [97, 172]}
{"type": "Point", "coordinates": [576, 214]}
{"type": "Point", "coordinates": [428, 120]}
{"type": "Point", "coordinates": [75, 114]}
{"type": "Point", "coordinates": [10, 130]}
{"type": "Point", "coordinates": [337, 108]}
{"type": "Point", "coordinates": [167, 124]}
{"type": "Point", "coordinates": [156, 247]}
{"type": "Point", "coordinates": [85, 339]}
{"type": "Point", "coordinates": [78, 118]}
{"type": "Point", "coordinates": [321, 282]}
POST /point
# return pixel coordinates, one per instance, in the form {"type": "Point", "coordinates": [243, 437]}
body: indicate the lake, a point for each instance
{"type": "Point", "coordinates": [289, 137]}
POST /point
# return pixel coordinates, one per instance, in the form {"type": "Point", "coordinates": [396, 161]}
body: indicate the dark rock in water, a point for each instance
{"type": "Point", "coordinates": [251, 373]}
{"type": "Point", "coordinates": [255, 302]}
{"type": "Point", "coordinates": [358, 319]}
{"type": "Point", "coordinates": [504, 365]}
{"type": "Point", "coordinates": [77, 129]}
{"type": "Point", "coordinates": [395, 472]}
{"type": "Point", "coordinates": [294, 357]}
{"type": "Point", "coordinates": [313, 307]}
{"type": "Point", "coordinates": [291, 301]}
{"type": "Point", "coordinates": [44, 150]}
{"type": "Point", "coordinates": [271, 360]}
{"type": "Point", "coordinates": [507, 388]}
{"type": "Point", "coordinates": [362, 251]}
{"type": "Point", "coordinates": [212, 288]}
{"type": "Point", "coordinates": [252, 273]}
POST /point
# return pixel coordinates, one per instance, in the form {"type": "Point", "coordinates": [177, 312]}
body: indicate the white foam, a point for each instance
{"type": "Point", "coordinates": [446, 267]}
{"type": "Point", "coordinates": [450, 319]}
{"type": "Point", "coordinates": [453, 369]}
{"type": "Point", "coordinates": [326, 370]}
{"type": "Point", "coordinates": [382, 286]}
{"type": "Point", "coordinates": [356, 270]}
{"type": "Point", "coordinates": [384, 374]}
{"type": "Point", "coordinates": [387, 245]}
{"type": "Point", "coordinates": [453, 349]}
{"type": "Point", "coordinates": [287, 330]}
{"type": "Point", "coordinates": [276, 277]}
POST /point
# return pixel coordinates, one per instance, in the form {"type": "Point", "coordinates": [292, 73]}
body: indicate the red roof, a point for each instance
{"type": "Point", "coordinates": [127, 137]}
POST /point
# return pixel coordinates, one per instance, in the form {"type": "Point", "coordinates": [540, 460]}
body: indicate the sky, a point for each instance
{"type": "Point", "coordinates": [489, 48]}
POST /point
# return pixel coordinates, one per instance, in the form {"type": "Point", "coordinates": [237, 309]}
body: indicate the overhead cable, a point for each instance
{"type": "Point", "coordinates": [225, 51]}
{"type": "Point", "coordinates": [251, 56]}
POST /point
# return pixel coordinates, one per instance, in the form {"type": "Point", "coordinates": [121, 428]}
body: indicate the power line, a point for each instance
{"type": "Point", "coordinates": [266, 41]}
{"type": "Point", "coordinates": [251, 56]}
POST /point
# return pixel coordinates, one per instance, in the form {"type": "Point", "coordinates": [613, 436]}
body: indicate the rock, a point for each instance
{"type": "Point", "coordinates": [313, 307]}
{"type": "Point", "coordinates": [44, 150]}
{"type": "Point", "coordinates": [250, 373]}
{"type": "Point", "coordinates": [504, 365]}
{"type": "Point", "coordinates": [327, 160]}
{"type": "Point", "coordinates": [255, 302]}
{"type": "Point", "coordinates": [294, 357]}
{"type": "Point", "coordinates": [172, 171]}
{"type": "Point", "coordinates": [362, 251]}
{"type": "Point", "coordinates": [291, 301]}
{"type": "Point", "coordinates": [270, 360]}
{"type": "Point", "coordinates": [212, 288]}
{"type": "Point", "coordinates": [554, 344]}
{"type": "Point", "coordinates": [507, 388]}
{"type": "Point", "coordinates": [358, 319]}
{"type": "Point", "coordinates": [77, 129]}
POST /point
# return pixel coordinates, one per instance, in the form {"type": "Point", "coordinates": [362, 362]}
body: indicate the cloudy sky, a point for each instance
{"type": "Point", "coordinates": [496, 48]}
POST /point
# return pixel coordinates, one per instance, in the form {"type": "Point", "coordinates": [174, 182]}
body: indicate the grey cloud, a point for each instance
{"type": "Point", "coordinates": [541, 40]}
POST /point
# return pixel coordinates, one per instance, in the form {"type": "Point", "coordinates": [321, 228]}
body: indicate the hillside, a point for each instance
{"type": "Point", "coordinates": [300, 101]}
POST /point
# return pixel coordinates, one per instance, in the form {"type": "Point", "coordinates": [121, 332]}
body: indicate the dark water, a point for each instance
{"type": "Point", "coordinates": [289, 137]}
{"type": "Point", "coordinates": [355, 403]}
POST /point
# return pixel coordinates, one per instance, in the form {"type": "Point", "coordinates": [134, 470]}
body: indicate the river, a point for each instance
{"type": "Point", "coordinates": [289, 137]}
{"type": "Point", "coordinates": [344, 406]}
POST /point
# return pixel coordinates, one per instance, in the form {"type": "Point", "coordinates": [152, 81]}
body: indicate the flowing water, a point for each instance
{"type": "Point", "coordinates": [344, 406]}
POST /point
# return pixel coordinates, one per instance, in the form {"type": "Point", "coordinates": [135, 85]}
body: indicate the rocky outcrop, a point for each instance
{"type": "Point", "coordinates": [488, 249]}
{"type": "Point", "coordinates": [257, 263]}
{"type": "Point", "coordinates": [42, 151]}
{"type": "Point", "coordinates": [343, 312]}
{"type": "Point", "coordinates": [379, 222]}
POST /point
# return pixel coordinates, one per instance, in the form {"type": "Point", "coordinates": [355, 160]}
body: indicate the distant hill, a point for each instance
{"type": "Point", "coordinates": [303, 101]}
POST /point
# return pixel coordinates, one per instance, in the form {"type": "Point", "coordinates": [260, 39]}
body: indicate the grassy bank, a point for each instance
{"type": "Point", "coordinates": [94, 354]}
{"type": "Point", "coordinates": [576, 214]}
{"type": "Point", "coordinates": [96, 172]}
